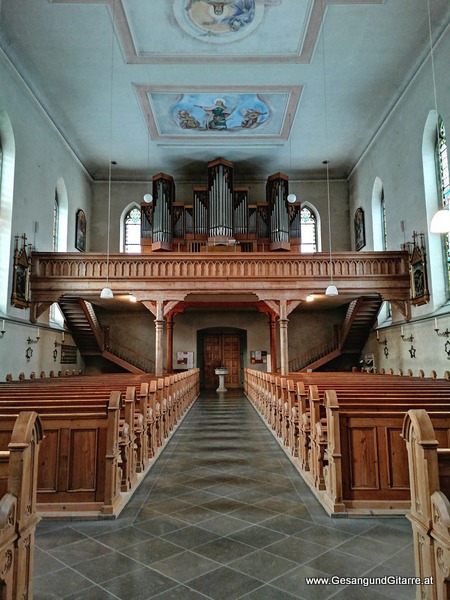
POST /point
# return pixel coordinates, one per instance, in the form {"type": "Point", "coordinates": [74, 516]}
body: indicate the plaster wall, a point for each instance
{"type": "Point", "coordinates": [40, 158]}
{"type": "Point", "coordinates": [395, 157]}
{"type": "Point", "coordinates": [14, 344]}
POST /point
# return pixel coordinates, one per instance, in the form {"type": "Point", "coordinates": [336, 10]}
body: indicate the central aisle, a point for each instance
{"type": "Point", "coordinates": [222, 515]}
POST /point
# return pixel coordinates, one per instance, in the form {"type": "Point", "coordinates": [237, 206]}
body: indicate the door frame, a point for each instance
{"type": "Point", "coordinates": [201, 333]}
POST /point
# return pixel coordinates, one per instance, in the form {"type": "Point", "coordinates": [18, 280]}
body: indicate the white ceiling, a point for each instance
{"type": "Point", "coordinates": [329, 71]}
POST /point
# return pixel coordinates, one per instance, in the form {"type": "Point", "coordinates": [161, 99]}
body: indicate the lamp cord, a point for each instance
{"type": "Point", "coordinates": [110, 140]}
{"type": "Point", "coordinates": [325, 104]}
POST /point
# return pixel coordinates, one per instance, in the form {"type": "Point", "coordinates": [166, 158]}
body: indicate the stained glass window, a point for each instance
{"type": "Point", "coordinates": [55, 224]}
{"type": "Point", "coordinates": [308, 229]}
{"type": "Point", "coordinates": [444, 182]}
{"type": "Point", "coordinates": [133, 230]}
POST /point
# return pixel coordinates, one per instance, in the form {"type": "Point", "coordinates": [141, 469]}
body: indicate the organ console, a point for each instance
{"type": "Point", "coordinates": [220, 216]}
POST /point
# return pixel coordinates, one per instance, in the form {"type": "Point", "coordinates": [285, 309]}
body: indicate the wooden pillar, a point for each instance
{"type": "Point", "coordinates": [273, 342]}
{"type": "Point", "coordinates": [284, 357]}
{"type": "Point", "coordinates": [159, 326]}
{"type": "Point", "coordinates": [169, 342]}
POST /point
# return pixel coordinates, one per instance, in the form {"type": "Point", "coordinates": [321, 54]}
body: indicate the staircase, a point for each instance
{"type": "Point", "coordinates": [90, 338]}
{"type": "Point", "coordinates": [359, 320]}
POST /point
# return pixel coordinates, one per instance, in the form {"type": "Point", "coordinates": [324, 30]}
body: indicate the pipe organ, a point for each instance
{"type": "Point", "coordinates": [220, 216]}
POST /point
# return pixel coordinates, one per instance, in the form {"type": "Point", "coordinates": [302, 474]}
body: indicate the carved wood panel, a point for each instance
{"type": "Point", "coordinates": [83, 460]}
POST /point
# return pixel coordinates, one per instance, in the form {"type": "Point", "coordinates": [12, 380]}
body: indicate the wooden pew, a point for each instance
{"type": "Point", "coordinates": [428, 442]}
{"type": "Point", "coordinates": [332, 431]}
{"type": "Point", "coordinates": [114, 434]}
{"type": "Point", "coordinates": [18, 518]}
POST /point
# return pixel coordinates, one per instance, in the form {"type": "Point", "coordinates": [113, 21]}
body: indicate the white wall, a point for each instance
{"type": "Point", "coordinates": [395, 157]}
{"type": "Point", "coordinates": [42, 157]}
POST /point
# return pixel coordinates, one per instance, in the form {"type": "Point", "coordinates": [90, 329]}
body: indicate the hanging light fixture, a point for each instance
{"type": "Point", "coordinates": [148, 198]}
{"type": "Point", "coordinates": [331, 289]}
{"type": "Point", "coordinates": [291, 197]}
{"type": "Point", "coordinates": [107, 293]}
{"type": "Point", "coordinates": [440, 223]}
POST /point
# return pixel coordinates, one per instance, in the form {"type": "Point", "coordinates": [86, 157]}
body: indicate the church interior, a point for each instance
{"type": "Point", "coordinates": [250, 194]}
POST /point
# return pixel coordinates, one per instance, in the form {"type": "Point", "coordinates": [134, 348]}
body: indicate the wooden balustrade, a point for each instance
{"type": "Point", "coordinates": [354, 272]}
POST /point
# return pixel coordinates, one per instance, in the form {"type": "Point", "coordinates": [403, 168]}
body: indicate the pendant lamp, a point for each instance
{"type": "Point", "coordinates": [107, 293]}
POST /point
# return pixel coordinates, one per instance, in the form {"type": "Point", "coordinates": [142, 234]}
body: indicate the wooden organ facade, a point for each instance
{"type": "Point", "coordinates": [220, 216]}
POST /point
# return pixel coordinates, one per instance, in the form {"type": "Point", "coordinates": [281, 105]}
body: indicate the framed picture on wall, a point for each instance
{"type": "Point", "coordinates": [80, 231]}
{"type": "Point", "coordinates": [360, 229]}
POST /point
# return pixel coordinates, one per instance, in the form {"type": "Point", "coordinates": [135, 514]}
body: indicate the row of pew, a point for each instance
{"type": "Point", "coordinates": [42, 375]}
{"type": "Point", "coordinates": [343, 432]}
{"type": "Point", "coordinates": [101, 434]}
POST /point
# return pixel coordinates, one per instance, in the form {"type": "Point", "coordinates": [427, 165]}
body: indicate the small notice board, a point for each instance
{"type": "Point", "coordinates": [185, 360]}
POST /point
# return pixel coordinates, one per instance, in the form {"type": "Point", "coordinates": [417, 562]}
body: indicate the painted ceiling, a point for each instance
{"type": "Point", "coordinates": [167, 85]}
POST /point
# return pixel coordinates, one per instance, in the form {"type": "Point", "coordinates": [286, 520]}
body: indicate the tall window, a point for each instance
{"type": "Point", "coordinates": [132, 226]}
{"type": "Point", "coordinates": [383, 221]}
{"type": "Point", "coordinates": [55, 224]}
{"type": "Point", "coordinates": [308, 229]}
{"type": "Point", "coordinates": [1, 162]}
{"type": "Point", "coordinates": [444, 182]}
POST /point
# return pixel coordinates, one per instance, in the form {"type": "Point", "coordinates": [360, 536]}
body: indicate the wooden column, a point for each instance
{"type": "Point", "coordinates": [284, 357]}
{"type": "Point", "coordinates": [273, 342]}
{"type": "Point", "coordinates": [159, 326]}
{"type": "Point", "coordinates": [169, 342]}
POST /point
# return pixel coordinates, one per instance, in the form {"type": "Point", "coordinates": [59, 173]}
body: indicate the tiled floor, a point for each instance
{"type": "Point", "coordinates": [222, 515]}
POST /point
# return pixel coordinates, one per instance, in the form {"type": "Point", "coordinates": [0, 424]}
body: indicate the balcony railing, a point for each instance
{"type": "Point", "coordinates": [353, 272]}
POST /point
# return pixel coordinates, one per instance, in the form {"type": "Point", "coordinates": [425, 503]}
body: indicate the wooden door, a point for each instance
{"type": "Point", "coordinates": [221, 350]}
{"type": "Point", "coordinates": [232, 360]}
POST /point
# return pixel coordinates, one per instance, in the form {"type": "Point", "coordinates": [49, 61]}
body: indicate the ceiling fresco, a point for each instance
{"type": "Point", "coordinates": [274, 85]}
{"type": "Point", "coordinates": [220, 22]}
{"type": "Point", "coordinates": [211, 31]}
{"type": "Point", "coordinates": [224, 112]}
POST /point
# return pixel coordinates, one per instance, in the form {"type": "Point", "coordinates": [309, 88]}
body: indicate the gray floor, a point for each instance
{"type": "Point", "coordinates": [223, 515]}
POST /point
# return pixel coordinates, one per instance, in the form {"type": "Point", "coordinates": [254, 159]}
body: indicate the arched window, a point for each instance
{"type": "Point", "coordinates": [308, 229]}
{"type": "Point", "coordinates": [444, 182]}
{"type": "Point", "coordinates": [132, 230]}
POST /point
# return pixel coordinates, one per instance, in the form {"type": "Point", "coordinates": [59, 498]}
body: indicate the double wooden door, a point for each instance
{"type": "Point", "coordinates": [222, 350]}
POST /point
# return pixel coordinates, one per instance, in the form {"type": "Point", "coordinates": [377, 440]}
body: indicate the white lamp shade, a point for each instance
{"type": "Point", "coordinates": [440, 223]}
{"type": "Point", "coordinates": [148, 198]}
{"type": "Point", "coordinates": [291, 198]}
{"type": "Point", "coordinates": [331, 291]}
{"type": "Point", "coordinates": [106, 293]}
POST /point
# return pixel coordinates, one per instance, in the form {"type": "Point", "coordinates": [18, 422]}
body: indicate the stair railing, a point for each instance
{"type": "Point", "coordinates": [130, 355]}
{"type": "Point", "coordinates": [94, 323]}
{"type": "Point", "coordinates": [313, 354]}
